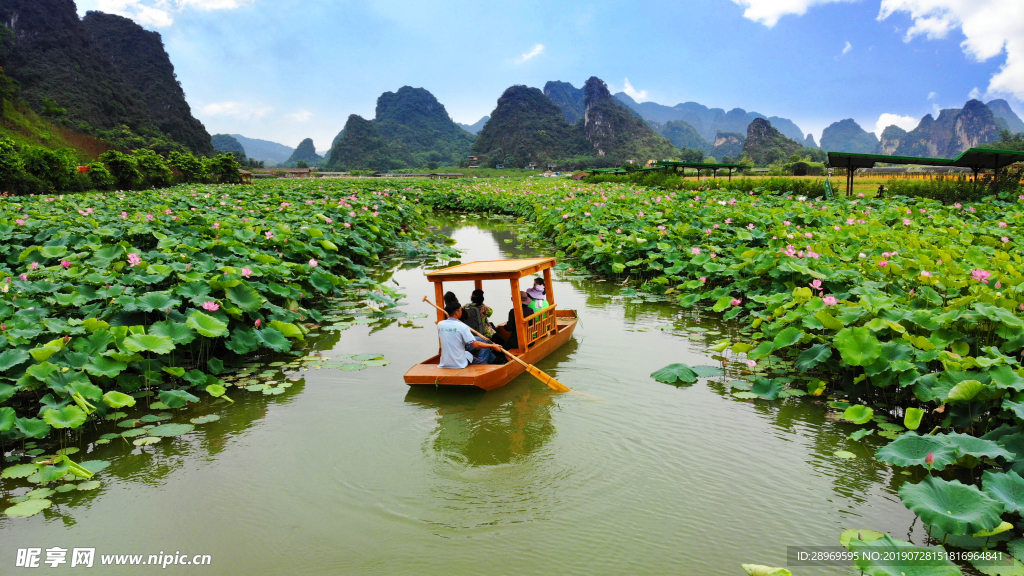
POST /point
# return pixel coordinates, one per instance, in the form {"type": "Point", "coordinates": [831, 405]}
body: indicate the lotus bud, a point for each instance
{"type": "Point", "coordinates": [258, 322]}
{"type": "Point", "coordinates": [929, 459]}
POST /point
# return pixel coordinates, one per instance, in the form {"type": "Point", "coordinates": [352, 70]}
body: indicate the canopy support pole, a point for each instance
{"type": "Point", "coordinates": [517, 310]}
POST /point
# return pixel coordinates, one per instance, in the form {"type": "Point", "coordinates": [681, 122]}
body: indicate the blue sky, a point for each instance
{"type": "Point", "coordinates": [284, 70]}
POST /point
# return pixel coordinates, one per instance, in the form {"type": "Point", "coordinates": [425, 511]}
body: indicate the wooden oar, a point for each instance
{"type": "Point", "coordinates": [533, 370]}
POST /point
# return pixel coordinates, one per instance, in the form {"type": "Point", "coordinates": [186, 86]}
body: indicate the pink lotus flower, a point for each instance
{"type": "Point", "coordinates": [328, 220]}
{"type": "Point", "coordinates": [1002, 224]}
{"type": "Point", "coordinates": [618, 230]}
{"type": "Point", "coordinates": [149, 217]}
{"type": "Point", "coordinates": [830, 300]}
{"type": "Point", "coordinates": [926, 273]}
{"type": "Point", "coordinates": [285, 204]}
{"type": "Point", "coordinates": [347, 225]}
{"type": "Point", "coordinates": [906, 221]}
{"type": "Point", "coordinates": [134, 260]}
{"type": "Point", "coordinates": [268, 234]}
{"type": "Point", "coordinates": [929, 459]}
{"type": "Point", "coordinates": [24, 277]}
{"type": "Point", "coordinates": [999, 284]}
{"type": "Point", "coordinates": [751, 363]}
{"type": "Point", "coordinates": [641, 214]}
{"type": "Point", "coordinates": [211, 306]}
{"type": "Point", "coordinates": [33, 266]}
{"type": "Point", "coordinates": [958, 205]}
{"type": "Point", "coordinates": [246, 272]}
{"type": "Point", "coordinates": [728, 220]}
{"type": "Point", "coordinates": [786, 222]}
{"type": "Point", "coordinates": [313, 263]}
{"type": "Point", "coordinates": [66, 264]}
{"type": "Point", "coordinates": [882, 264]}
{"type": "Point", "coordinates": [19, 222]}
{"type": "Point", "coordinates": [736, 302]}
{"type": "Point", "coordinates": [816, 284]}
{"type": "Point", "coordinates": [704, 279]}
{"type": "Point", "coordinates": [695, 251]}
{"type": "Point", "coordinates": [1005, 239]}
{"type": "Point", "coordinates": [216, 225]}
{"type": "Point", "coordinates": [981, 275]}
{"type": "Point", "coordinates": [750, 226]}
{"type": "Point", "coordinates": [257, 323]}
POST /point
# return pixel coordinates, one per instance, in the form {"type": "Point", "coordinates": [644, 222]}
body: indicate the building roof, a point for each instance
{"type": "Point", "coordinates": [701, 165]}
{"type": "Point", "coordinates": [492, 269]}
{"type": "Point", "coordinates": [975, 159]}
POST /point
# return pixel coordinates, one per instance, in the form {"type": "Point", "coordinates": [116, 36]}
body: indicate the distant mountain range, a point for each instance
{"type": "Point", "coordinates": [264, 150]}
{"type": "Point", "coordinates": [474, 128]}
{"type": "Point", "coordinates": [955, 130]}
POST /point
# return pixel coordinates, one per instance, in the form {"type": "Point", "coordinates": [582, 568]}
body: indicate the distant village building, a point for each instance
{"type": "Point", "coordinates": [531, 166]}
{"type": "Point", "coordinates": [474, 161]}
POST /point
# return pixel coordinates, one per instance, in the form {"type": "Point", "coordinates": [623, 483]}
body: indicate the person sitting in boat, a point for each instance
{"type": "Point", "coordinates": [476, 312]}
{"type": "Point", "coordinates": [524, 303]}
{"type": "Point", "coordinates": [459, 347]}
{"type": "Point", "coordinates": [536, 294]}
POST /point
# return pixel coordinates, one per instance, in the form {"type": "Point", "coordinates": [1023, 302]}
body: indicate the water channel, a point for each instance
{"type": "Point", "coordinates": [355, 473]}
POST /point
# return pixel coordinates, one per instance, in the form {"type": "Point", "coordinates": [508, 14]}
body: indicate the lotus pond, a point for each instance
{"type": "Point", "coordinates": [871, 378]}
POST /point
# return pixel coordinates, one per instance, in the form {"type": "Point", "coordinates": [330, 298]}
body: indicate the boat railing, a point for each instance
{"type": "Point", "coordinates": [541, 324]}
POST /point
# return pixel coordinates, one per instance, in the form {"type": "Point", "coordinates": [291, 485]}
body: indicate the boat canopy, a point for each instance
{"type": "Point", "coordinates": [492, 270]}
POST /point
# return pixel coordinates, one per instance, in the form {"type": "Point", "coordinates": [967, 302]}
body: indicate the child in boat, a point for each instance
{"type": "Point", "coordinates": [459, 347]}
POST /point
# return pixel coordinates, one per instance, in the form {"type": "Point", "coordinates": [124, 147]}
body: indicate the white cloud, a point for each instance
{"type": "Point", "coordinates": [155, 13]}
{"type": "Point", "coordinates": [847, 48]}
{"type": "Point", "coordinates": [975, 94]}
{"type": "Point", "coordinates": [908, 123]}
{"type": "Point", "coordinates": [638, 95]}
{"type": "Point", "coordinates": [537, 51]}
{"type": "Point", "coordinates": [768, 12]}
{"type": "Point", "coordinates": [300, 116]}
{"type": "Point", "coordinates": [239, 110]}
{"type": "Point", "coordinates": [990, 27]}
{"type": "Point", "coordinates": [933, 95]}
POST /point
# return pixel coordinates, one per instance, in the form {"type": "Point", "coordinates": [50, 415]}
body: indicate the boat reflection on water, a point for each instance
{"type": "Point", "coordinates": [497, 427]}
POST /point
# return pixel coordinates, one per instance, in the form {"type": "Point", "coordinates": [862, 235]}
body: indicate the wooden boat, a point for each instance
{"type": "Point", "coordinates": [538, 334]}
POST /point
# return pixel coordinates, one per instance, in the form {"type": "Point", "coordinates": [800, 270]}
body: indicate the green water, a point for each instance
{"type": "Point", "coordinates": [355, 473]}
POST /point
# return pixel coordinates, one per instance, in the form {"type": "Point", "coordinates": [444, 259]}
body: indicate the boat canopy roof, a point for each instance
{"type": "Point", "coordinates": [491, 270]}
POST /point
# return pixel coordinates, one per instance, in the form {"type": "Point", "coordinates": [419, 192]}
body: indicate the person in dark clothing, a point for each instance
{"type": "Point", "coordinates": [524, 302]}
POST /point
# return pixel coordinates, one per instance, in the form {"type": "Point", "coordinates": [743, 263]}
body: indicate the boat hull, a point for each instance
{"type": "Point", "coordinates": [489, 376]}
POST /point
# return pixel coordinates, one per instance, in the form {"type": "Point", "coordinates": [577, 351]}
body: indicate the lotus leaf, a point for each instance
{"type": "Point", "coordinates": [7, 418]}
{"type": "Point", "coordinates": [857, 346]}
{"type": "Point", "coordinates": [966, 445]}
{"type": "Point", "coordinates": [19, 471]}
{"type": "Point", "coordinates": [205, 419]}
{"type": "Point", "coordinates": [858, 414]}
{"type": "Point", "coordinates": [912, 418]}
{"type": "Point", "coordinates": [11, 358]}
{"type": "Point", "coordinates": [28, 508]}
{"type": "Point", "coordinates": [40, 493]}
{"type": "Point", "coordinates": [206, 325]}
{"type": "Point", "coordinates": [178, 332]}
{"type": "Point", "coordinates": [882, 557]}
{"type": "Point", "coordinates": [176, 398]}
{"type": "Point", "coordinates": [91, 485]}
{"type": "Point", "coordinates": [149, 343]}
{"type": "Point", "coordinates": [670, 374]}
{"type": "Point", "coordinates": [245, 297]}
{"type": "Point", "coordinates": [103, 366]}
{"type": "Point", "coordinates": [146, 441]}
{"type": "Point", "coordinates": [171, 430]}
{"type": "Point", "coordinates": [767, 389]}
{"type": "Point", "coordinates": [1005, 487]}
{"type": "Point", "coordinates": [953, 507]}
{"type": "Point", "coordinates": [759, 570]}
{"type": "Point", "coordinates": [911, 449]}
{"type": "Point", "coordinates": [865, 535]}
{"type": "Point", "coordinates": [66, 417]}
{"type": "Point", "coordinates": [95, 466]}
{"type": "Point", "coordinates": [273, 339]}
{"type": "Point", "coordinates": [860, 434]}
{"type": "Point", "coordinates": [844, 454]}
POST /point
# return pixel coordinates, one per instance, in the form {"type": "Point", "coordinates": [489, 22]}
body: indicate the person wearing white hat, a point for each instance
{"type": "Point", "coordinates": [537, 293]}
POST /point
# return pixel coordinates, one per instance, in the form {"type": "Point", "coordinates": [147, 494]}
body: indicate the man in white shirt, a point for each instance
{"type": "Point", "coordinates": [457, 340]}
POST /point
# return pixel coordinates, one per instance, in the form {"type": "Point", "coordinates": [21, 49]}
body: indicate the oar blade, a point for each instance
{"type": "Point", "coordinates": [551, 382]}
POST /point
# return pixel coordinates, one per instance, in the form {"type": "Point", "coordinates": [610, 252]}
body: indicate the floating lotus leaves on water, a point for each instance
{"type": "Point", "coordinates": [19, 471]}
{"type": "Point", "coordinates": [353, 367]}
{"type": "Point", "coordinates": [109, 436]}
{"type": "Point", "coordinates": [705, 371]}
{"type": "Point", "coordinates": [362, 357]}
{"type": "Point", "coordinates": [759, 570]}
{"type": "Point", "coordinates": [216, 390]}
{"type": "Point", "coordinates": [844, 454]}
{"type": "Point", "coordinates": [767, 389]}
{"type": "Point", "coordinates": [41, 493]}
{"type": "Point", "coordinates": [376, 362]}
{"type": "Point", "coordinates": [882, 557]}
{"type": "Point", "coordinates": [66, 488]}
{"type": "Point", "coordinates": [150, 418]}
{"type": "Point", "coordinates": [90, 485]}
{"type": "Point", "coordinates": [171, 430]}
{"type": "Point", "coordinates": [911, 449]}
{"type": "Point", "coordinates": [146, 441]}
{"type": "Point", "coordinates": [273, 391]}
{"type": "Point", "coordinates": [55, 472]}
{"type": "Point", "coordinates": [859, 434]}
{"type": "Point", "coordinates": [858, 414]}
{"type": "Point", "coordinates": [912, 418]}
{"type": "Point", "coordinates": [675, 373]}
{"type": "Point", "coordinates": [857, 346]}
{"type": "Point", "coordinates": [205, 419]}
{"type": "Point", "coordinates": [65, 417]}
{"type": "Point", "coordinates": [133, 433]}
{"type": "Point", "coordinates": [28, 508]}
{"type": "Point", "coordinates": [966, 445]}
{"type": "Point", "coordinates": [1006, 487]}
{"type": "Point", "coordinates": [891, 427]}
{"type": "Point", "coordinates": [866, 535]}
{"type": "Point", "coordinates": [95, 466]}
{"type": "Point", "coordinates": [745, 395]}
{"type": "Point", "coordinates": [953, 507]}
{"type": "Point", "coordinates": [177, 398]}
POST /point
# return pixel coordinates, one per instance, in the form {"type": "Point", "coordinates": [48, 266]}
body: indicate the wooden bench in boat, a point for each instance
{"type": "Point", "coordinates": [538, 334]}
